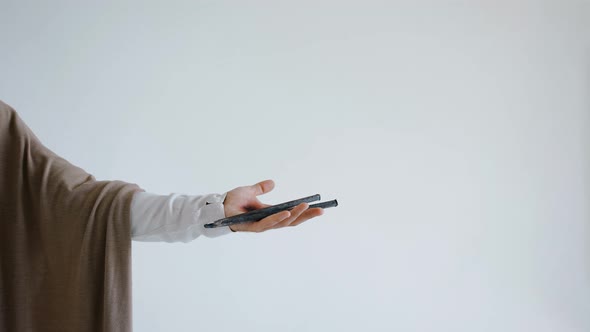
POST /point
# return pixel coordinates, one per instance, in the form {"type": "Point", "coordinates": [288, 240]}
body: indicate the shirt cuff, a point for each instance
{"type": "Point", "coordinates": [213, 210]}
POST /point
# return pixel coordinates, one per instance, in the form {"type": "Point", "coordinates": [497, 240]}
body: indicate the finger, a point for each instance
{"type": "Point", "coordinates": [308, 214]}
{"type": "Point", "coordinates": [268, 222]}
{"type": "Point", "coordinates": [262, 187]}
{"type": "Point", "coordinates": [295, 213]}
{"type": "Point", "coordinates": [262, 225]}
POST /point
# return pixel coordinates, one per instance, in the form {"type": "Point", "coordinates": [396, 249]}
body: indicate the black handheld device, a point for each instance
{"type": "Point", "coordinates": [260, 214]}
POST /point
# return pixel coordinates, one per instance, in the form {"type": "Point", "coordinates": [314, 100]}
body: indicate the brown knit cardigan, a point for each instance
{"type": "Point", "coordinates": [65, 243]}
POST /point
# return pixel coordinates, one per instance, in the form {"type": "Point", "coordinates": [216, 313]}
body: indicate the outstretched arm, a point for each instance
{"type": "Point", "coordinates": [181, 218]}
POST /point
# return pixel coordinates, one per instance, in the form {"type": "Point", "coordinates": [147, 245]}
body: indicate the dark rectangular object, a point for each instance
{"type": "Point", "coordinates": [260, 214]}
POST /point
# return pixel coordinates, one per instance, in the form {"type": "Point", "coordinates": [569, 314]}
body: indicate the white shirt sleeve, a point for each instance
{"type": "Point", "coordinates": [175, 217]}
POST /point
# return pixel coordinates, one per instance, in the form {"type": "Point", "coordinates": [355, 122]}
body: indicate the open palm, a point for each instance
{"type": "Point", "coordinates": [244, 199]}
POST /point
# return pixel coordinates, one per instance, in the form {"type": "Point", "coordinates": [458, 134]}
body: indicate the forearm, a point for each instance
{"type": "Point", "coordinates": [175, 217]}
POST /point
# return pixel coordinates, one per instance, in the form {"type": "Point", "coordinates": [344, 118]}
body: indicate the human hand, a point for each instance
{"type": "Point", "coordinates": [243, 199]}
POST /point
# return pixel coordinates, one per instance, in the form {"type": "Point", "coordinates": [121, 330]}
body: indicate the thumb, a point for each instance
{"type": "Point", "coordinates": [262, 187]}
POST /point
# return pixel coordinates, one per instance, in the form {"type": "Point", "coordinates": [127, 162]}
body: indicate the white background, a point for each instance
{"type": "Point", "coordinates": [455, 135]}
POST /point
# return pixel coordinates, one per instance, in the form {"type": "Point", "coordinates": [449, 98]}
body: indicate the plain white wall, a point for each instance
{"type": "Point", "coordinates": [455, 135]}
